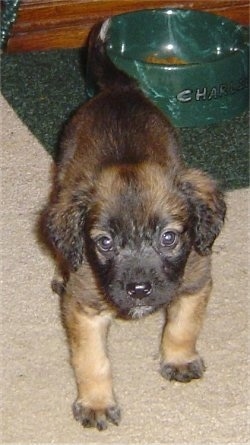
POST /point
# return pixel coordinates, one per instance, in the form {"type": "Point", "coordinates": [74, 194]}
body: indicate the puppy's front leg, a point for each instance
{"type": "Point", "coordinates": [87, 333]}
{"type": "Point", "coordinates": [180, 360]}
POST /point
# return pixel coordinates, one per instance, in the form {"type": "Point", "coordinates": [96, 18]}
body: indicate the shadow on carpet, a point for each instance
{"type": "Point", "coordinates": [45, 87]}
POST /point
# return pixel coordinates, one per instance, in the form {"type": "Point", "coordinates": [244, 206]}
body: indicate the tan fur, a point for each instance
{"type": "Point", "coordinates": [184, 321]}
{"type": "Point", "coordinates": [87, 333]}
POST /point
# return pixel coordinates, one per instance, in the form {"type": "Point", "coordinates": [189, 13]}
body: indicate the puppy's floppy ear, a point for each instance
{"type": "Point", "coordinates": [208, 207]}
{"type": "Point", "coordinates": [63, 225]}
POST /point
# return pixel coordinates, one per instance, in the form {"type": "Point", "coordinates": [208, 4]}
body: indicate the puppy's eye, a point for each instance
{"type": "Point", "coordinates": [105, 243]}
{"type": "Point", "coordinates": [169, 238]}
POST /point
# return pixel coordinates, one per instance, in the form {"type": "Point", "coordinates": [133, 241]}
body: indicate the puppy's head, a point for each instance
{"type": "Point", "coordinates": [137, 230]}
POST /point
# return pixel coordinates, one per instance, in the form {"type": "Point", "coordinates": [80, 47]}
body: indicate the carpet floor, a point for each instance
{"type": "Point", "coordinates": [37, 381]}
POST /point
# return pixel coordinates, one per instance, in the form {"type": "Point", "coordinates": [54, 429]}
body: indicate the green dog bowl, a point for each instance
{"type": "Point", "coordinates": [193, 65]}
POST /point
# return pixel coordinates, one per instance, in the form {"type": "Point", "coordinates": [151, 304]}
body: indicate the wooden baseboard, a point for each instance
{"type": "Point", "coordinates": [44, 24]}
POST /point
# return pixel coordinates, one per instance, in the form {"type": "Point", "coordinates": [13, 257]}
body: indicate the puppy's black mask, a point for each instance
{"type": "Point", "coordinates": [142, 276]}
{"type": "Point", "coordinates": [137, 250]}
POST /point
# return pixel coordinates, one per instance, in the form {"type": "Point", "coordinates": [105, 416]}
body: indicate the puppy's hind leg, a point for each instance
{"type": "Point", "coordinates": [180, 360]}
{"type": "Point", "coordinates": [87, 332]}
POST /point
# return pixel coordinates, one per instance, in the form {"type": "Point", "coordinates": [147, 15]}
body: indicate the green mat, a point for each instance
{"type": "Point", "coordinates": [45, 87]}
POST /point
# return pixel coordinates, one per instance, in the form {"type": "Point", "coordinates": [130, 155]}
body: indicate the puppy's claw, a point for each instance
{"type": "Point", "coordinates": [90, 418]}
{"type": "Point", "coordinates": [183, 373]}
{"type": "Point", "coordinates": [114, 414]}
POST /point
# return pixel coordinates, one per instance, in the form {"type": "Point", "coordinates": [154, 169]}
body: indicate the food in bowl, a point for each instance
{"type": "Point", "coordinates": [171, 60]}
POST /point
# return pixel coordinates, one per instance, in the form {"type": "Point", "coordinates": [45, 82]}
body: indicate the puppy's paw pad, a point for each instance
{"type": "Point", "coordinates": [91, 418]}
{"type": "Point", "coordinates": [185, 372]}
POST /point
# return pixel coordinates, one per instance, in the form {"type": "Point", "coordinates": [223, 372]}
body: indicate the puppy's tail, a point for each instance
{"type": "Point", "coordinates": [100, 69]}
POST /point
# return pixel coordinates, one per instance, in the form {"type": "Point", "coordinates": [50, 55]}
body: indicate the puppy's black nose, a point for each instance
{"type": "Point", "coordinates": [139, 290]}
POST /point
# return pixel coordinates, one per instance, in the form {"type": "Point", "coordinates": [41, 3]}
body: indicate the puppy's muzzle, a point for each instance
{"type": "Point", "coordinates": [139, 290]}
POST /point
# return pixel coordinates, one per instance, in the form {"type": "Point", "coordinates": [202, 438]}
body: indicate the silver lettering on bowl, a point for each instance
{"type": "Point", "coordinates": [215, 92]}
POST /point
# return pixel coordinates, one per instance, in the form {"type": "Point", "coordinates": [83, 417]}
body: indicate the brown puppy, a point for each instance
{"type": "Point", "coordinates": [134, 228]}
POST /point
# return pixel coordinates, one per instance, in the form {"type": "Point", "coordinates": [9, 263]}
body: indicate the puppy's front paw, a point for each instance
{"type": "Point", "coordinates": [97, 418]}
{"type": "Point", "coordinates": [183, 372]}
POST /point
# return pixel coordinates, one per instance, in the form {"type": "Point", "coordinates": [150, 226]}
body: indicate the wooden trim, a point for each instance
{"type": "Point", "coordinates": [42, 24]}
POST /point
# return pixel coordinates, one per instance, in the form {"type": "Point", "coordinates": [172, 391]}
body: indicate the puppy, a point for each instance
{"type": "Point", "coordinates": [134, 228]}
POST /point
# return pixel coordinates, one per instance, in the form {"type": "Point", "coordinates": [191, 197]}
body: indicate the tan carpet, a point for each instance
{"type": "Point", "coordinates": [37, 381]}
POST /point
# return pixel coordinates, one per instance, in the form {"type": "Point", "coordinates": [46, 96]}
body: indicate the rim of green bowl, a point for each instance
{"type": "Point", "coordinates": [237, 52]}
